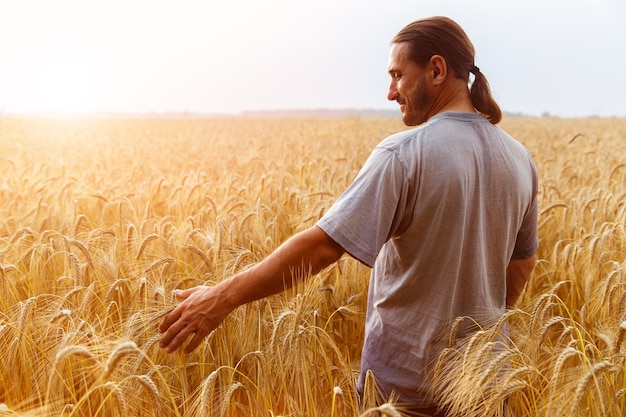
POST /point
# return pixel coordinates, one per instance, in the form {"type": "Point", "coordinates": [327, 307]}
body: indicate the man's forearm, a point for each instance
{"type": "Point", "coordinates": [204, 307]}
{"type": "Point", "coordinates": [305, 253]}
{"type": "Point", "coordinates": [517, 274]}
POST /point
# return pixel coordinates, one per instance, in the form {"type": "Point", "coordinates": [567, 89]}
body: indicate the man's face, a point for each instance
{"type": "Point", "coordinates": [409, 86]}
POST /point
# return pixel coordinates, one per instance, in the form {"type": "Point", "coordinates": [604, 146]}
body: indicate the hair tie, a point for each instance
{"type": "Point", "coordinates": [474, 69]}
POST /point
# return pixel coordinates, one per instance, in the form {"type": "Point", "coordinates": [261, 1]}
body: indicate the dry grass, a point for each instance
{"type": "Point", "coordinates": [100, 220]}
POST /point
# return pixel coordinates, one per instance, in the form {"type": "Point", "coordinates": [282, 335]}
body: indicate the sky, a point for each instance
{"type": "Point", "coordinates": [562, 57]}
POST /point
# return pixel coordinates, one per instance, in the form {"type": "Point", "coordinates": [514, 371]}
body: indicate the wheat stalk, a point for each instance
{"type": "Point", "coordinates": [163, 261]}
{"type": "Point", "coordinates": [582, 386]}
{"type": "Point", "coordinates": [226, 402]}
{"type": "Point", "coordinates": [145, 242]}
{"type": "Point", "coordinates": [385, 409]}
{"type": "Point", "coordinates": [206, 392]}
{"type": "Point", "coordinates": [74, 350]}
{"type": "Point", "coordinates": [620, 337]}
{"type": "Point", "coordinates": [201, 254]}
{"type": "Point", "coordinates": [116, 355]}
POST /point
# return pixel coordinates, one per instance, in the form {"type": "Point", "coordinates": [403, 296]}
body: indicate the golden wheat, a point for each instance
{"type": "Point", "coordinates": [100, 220]}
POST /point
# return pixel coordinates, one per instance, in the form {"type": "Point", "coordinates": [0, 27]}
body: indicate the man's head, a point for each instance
{"type": "Point", "coordinates": [438, 47]}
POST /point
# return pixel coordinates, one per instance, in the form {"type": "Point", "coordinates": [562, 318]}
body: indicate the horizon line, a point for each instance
{"type": "Point", "coordinates": [321, 112]}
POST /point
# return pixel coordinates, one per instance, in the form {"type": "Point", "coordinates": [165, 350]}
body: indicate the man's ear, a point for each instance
{"type": "Point", "coordinates": [439, 68]}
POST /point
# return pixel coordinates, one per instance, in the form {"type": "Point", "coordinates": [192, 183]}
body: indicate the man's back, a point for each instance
{"type": "Point", "coordinates": [438, 208]}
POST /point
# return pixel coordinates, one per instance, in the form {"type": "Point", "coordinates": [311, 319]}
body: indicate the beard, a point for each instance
{"type": "Point", "coordinates": [417, 106]}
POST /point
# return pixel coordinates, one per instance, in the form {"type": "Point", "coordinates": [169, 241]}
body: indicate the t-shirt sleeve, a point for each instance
{"type": "Point", "coordinates": [366, 215]}
{"type": "Point", "coordinates": [527, 241]}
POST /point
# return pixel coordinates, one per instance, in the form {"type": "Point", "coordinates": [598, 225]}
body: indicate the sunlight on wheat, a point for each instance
{"type": "Point", "coordinates": [100, 220]}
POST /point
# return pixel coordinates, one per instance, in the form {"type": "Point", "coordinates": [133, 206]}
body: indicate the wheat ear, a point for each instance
{"type": "Point", "coordinates": [117, 354]}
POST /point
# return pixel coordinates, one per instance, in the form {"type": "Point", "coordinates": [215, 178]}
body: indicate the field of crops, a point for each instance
{"type": "Point", "coordinates": [100, 220]}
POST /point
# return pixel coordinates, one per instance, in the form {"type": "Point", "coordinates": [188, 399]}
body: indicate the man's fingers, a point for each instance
{"type": "Point", "coordinates": [194, 342]}
{"type": "Point", "coordinates": [169, 319]}
{"type": "Point", "coordinates": [175, 314]}
{"type": "Point", "coordinates": [175, 336]}
{"type": "Point", "coordinates": [188, 317]}
{"type": "Point", "coordinates": [184, 294]}
{"type": "Point", "coordinates": [173, 327]}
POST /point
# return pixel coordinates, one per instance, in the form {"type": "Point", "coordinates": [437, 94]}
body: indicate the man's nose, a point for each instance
{"type": "Point", "coordinates": [392, 94]}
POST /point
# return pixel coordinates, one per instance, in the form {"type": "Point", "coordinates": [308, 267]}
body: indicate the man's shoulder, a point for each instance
{"type": "Point", "coordinates": [435, 126]}
{"type": "Point", "coordinates": [400, 138]}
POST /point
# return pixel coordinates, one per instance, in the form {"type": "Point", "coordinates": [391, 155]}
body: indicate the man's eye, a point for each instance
{"type": "Point", "coordinates": [396, 76]}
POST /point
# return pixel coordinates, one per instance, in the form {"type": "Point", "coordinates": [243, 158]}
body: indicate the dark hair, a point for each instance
{"type": "Point", "coordinates": [443, 36]}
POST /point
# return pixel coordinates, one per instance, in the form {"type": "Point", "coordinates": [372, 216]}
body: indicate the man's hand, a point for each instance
{"type": "Point", "coordinates": [199, 314]}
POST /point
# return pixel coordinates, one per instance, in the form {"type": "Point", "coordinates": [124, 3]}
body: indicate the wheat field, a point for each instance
{"type": "Point", "coordinates": [100, 220]}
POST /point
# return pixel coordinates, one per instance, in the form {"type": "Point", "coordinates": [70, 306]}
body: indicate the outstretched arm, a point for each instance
{"type": "Point", "coordinates": [517, 274]}
{"type": "Point", "coordinates": [203, 308]}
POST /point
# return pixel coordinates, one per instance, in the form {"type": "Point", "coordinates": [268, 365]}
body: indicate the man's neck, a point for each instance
{"type": "Point", "coordinates": [455, 97]}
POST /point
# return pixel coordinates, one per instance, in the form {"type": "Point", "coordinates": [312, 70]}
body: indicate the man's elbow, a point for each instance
{"type": "Point", "coordinates": [318, 250]}
{"type": "Point", "coordinates": [330, 251]}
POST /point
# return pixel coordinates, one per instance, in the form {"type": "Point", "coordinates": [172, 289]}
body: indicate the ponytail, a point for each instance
{"type": "Point", "coordinates": [480, 93]}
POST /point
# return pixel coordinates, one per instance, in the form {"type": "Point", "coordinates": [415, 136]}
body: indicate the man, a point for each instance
{"type": "Point", "coordinates": [445, 214]}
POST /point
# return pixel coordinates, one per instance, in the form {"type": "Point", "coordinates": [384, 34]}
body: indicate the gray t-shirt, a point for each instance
{"type": "Point", "coordinates": [437, 212]}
